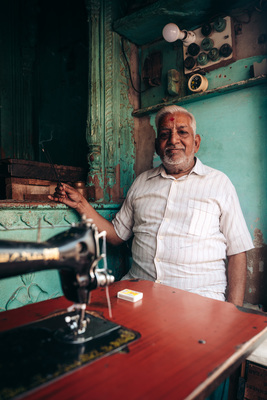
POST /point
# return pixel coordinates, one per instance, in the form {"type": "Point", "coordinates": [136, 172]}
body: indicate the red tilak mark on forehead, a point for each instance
{"type": "Point", "coordinates": [171, 119]}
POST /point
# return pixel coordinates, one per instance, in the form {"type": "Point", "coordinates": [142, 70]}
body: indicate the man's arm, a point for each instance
{"type": "Point", "coordinates": [237, 274]}
{"type": "Point", "coordinates": [71, 197]}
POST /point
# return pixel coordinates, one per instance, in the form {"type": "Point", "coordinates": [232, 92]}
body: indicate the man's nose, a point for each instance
{"type": "Point", "coordinates": [173, 137]}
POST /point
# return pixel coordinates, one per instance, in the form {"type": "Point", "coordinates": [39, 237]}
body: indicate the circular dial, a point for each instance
{"type": "Point", "coordinates": [195, 82]}
{"type": "Point", "coordinates": [193, 49]}
{"type": "Point", "coordinates": [206, 29]}
{"type": "Point", "coordinates": [225, 50]}
{"type": "Point", "coordinates": [198, 83]}
{"type": "Point", "coordinates": [189, 62]}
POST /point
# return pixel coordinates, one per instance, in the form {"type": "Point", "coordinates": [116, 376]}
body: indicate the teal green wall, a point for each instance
{"type": "Point", "coordinates": [233, 131]}
{"type": "Point", "coordinates": [232, 124]}
{"type": "Point", "coordinates": [232, 127]}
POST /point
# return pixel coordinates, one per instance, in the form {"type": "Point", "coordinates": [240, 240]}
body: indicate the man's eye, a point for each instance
{"type": "Point", "coordinates": [163, 135]}
{"type": "Point", "coordinates": [183, 133]}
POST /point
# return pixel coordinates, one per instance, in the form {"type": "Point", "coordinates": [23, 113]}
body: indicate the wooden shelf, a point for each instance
{"type": "Point", "coordinates": [202, 96]}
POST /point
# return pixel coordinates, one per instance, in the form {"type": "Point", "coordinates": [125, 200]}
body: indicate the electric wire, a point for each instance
{"type": "Point", "coordinates": [129, 69]}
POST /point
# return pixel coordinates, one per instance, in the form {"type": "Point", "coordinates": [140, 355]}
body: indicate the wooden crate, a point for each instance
{"type": "Point", "coordinates": [31, 180]}
{"type": "Point", "coordinates": [256, 382]}
{"type": "Point", "coordinates": [28, 189]}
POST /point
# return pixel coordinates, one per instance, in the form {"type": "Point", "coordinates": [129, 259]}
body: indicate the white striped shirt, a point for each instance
{"type": "Point", "coordinates": [183, 228]}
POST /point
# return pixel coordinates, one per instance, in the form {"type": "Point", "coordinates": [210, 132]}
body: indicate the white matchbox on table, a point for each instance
{"type": "Point", "coordinates": [130, 295]}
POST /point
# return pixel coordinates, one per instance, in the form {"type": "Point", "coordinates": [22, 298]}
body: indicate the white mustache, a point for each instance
{"type": "Point", "coordinates": [174, 148]}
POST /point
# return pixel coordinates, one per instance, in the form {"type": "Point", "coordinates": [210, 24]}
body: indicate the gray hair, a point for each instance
{"type": "Point", "coordinates": [173, 109]}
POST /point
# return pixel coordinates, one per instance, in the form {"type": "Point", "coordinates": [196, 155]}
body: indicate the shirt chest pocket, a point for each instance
{"type": "Point", "coordinates": [204, 218]}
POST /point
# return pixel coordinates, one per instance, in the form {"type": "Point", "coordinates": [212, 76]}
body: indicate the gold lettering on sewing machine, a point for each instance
{"type": "Point", "coordinates": [4, 258]}
{"type": "Point", "coordinates": [51, 254]}
{"type": "Point", "coordinates": [47, 254]}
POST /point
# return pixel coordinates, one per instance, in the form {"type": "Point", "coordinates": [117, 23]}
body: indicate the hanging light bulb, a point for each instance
{"type": "Point", "coordinates": [171, 33]}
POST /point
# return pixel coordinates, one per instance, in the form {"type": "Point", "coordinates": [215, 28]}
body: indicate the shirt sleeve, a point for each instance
{"type": "Point", "coordinates": [233, 225]}
{"type": "Point", "coordinates": [124, 219]}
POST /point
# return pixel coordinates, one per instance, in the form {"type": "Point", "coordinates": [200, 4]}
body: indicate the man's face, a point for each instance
{"type": "Point", "coordinates": [176, 144]}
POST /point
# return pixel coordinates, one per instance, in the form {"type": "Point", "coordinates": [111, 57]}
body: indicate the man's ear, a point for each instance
{"type": "Point", "coordinates": [157, 146]}
{"type": "Point", "coordinates": [197, 143]}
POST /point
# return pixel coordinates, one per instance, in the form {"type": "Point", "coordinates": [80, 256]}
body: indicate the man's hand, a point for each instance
{"type": "Point", "coordinates": [66, 194]}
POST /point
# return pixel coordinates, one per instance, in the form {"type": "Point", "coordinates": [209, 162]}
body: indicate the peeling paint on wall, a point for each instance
{"type": "Point", "coordinates": [261, 266]}
{"type": "Point", "coordinates": [256, 272]}
{"type": "Point", "coordinates": [258, 238]}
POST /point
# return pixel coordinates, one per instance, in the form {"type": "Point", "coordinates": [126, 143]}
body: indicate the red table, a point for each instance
{"type": "Point", "coordinates": [188, 345]}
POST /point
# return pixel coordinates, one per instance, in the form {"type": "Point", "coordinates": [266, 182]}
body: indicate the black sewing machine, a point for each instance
{"type": "Point", "coordinates": [38, 352]}
{"type": "Point", "coordinates": [75, 253]}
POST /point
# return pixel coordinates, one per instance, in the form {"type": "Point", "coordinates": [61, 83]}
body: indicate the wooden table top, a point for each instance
{"type": "Point", "coordinates": [188, 345]}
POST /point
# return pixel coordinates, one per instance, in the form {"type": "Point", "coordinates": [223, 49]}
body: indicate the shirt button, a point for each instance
{"type": "Point", "coordinates": [160, 237]}
{"type": "Point", "coordinates": [157, 259]}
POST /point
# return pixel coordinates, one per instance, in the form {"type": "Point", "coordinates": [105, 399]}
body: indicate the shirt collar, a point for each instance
{"type": "Point", "coordinates": [198, 169]}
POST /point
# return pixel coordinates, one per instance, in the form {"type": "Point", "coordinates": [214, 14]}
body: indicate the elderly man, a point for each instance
{"type": "Point", "coordinates": [184, 217]}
